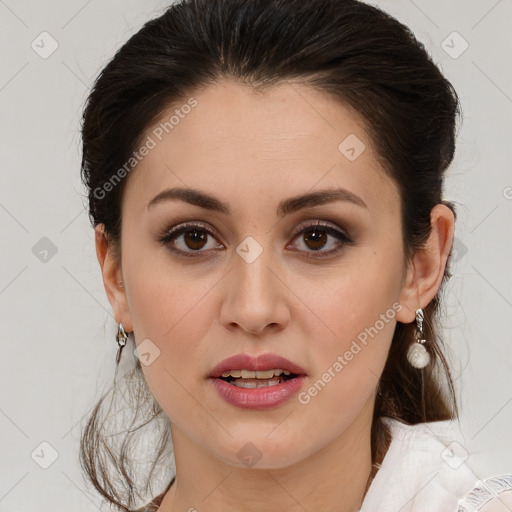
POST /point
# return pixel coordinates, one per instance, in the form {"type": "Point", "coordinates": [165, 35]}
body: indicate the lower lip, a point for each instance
{"type": "Point", "coordinates": [265, 397]}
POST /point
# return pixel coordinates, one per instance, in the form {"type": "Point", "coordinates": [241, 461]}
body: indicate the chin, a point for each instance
{"type": "Point", "coordinates": [260, 452]}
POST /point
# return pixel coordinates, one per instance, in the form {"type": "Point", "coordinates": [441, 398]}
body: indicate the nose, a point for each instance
{"type": "Point", "coordinates": [255, 298]}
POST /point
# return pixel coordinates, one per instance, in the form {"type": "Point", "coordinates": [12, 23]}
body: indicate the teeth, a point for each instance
{"type": "Point", "coordinates": [248, 374]}
{"type": "Point", "coordinates": [253, 384]}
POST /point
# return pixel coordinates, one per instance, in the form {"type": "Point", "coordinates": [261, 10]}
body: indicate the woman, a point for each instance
{"type": "Point", "coordinates": [266, 184]}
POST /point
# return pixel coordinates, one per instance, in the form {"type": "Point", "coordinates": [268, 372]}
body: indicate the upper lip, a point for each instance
{"type": "Point", "coordinates": [262, 362]}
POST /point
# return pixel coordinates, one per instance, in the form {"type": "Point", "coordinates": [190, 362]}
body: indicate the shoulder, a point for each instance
{"type": "Point", "coordinates": [424, 469]}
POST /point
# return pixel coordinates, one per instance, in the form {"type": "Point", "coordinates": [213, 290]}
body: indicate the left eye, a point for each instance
{"type": "Point", "coordinates": [194, 237]}
{"type": "Point", "coordinates": [316, 236]}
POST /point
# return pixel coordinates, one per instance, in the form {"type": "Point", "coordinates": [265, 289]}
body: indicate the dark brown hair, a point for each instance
{"type": "Point", "coordinates": [353, 52]}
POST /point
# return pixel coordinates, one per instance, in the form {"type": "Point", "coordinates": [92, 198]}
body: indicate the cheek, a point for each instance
{"type": "Point", "coordinates": [163, 296]}
{"type": "Point", "coordinates": [168, 306]}
{"type": "Point", "coordinates": [346, 366]}
{"type": "Point", "coordinates": [172, 312]}
{"type": "Point", "coordinates": [350, 320]}
{"type": "Point", "coordinates": [351, 296]}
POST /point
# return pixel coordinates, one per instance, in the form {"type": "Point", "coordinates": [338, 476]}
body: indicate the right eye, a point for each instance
{"type": "Point", "coordinates": [188, 239]}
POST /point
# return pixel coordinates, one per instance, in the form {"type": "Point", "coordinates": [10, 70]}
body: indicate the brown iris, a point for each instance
{"type": "Point", "coordinates": [195, 238]}
{"type": "Point", "coordinates": [318, 238]}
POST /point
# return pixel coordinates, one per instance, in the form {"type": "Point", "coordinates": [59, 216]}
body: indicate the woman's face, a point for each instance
{"type": "Point", "coordinates": [327, 300]}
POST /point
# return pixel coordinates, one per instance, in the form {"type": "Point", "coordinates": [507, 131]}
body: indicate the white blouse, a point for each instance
{"type": "Point", "coordinates": [422, 471]}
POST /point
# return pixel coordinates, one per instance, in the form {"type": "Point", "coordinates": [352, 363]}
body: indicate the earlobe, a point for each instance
{"type": "Point", "coordinates": [112, 277]}
{"type": "Point", "coordinates": [426, 270]}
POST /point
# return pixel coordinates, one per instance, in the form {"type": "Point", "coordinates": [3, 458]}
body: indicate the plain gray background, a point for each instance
{"type": "Point", "coordinates": [57, 331]}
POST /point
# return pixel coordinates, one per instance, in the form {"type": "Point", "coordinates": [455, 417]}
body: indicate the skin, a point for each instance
{"type": "Point", "coordinates": [502, 503]}
{"type": "Point", "coordinates": [252, 151]}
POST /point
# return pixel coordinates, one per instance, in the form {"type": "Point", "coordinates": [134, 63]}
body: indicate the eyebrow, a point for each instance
{"type": "Point", "coordinates": [285, 207]}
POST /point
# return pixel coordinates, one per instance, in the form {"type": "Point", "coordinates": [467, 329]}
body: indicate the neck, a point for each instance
{"type": "Point", "coordinates": [333, 479]}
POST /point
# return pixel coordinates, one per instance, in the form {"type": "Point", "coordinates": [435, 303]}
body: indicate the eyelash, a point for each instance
{"type": "Point", "coordinates": [171, 234]}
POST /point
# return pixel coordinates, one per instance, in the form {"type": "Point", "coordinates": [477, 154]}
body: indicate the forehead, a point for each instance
{"type": "Point", "coordinates": [239, 142]}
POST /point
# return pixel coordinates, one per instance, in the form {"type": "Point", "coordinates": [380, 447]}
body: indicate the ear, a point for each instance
{"type": "Point", "coordinates": [112, 278]}
{"type": "Point", "coordinates": [426, 270]}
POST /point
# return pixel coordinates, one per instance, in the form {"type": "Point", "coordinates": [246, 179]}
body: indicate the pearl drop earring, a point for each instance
{"type": "Point", "coordinates": [417, 354]}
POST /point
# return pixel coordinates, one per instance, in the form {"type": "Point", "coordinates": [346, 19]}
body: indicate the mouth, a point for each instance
{"type": "Point", "coordinates": [265, 370]}
{"type": "Point", "coordinates": [259, 382]}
